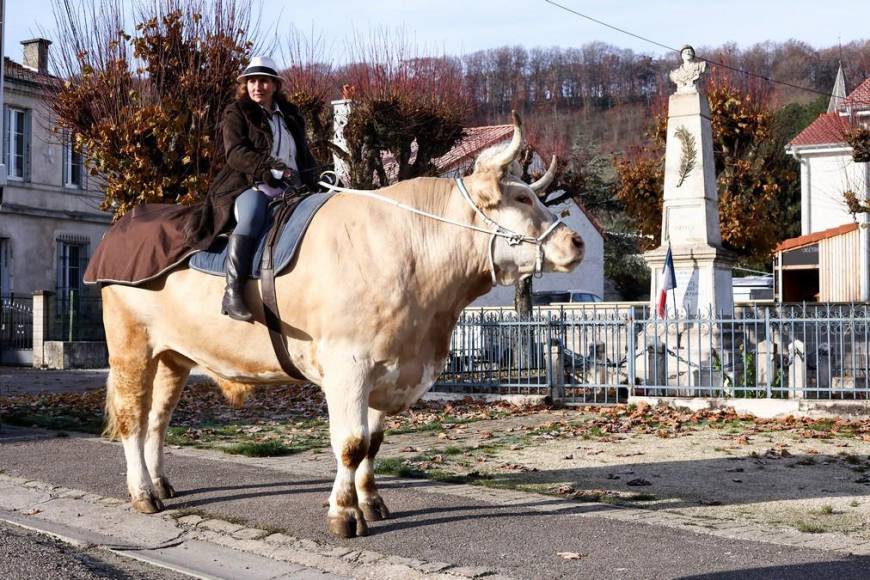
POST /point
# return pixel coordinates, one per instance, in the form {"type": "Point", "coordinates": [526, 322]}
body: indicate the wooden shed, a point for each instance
{"type": "Point", "coordinates": [823, 266]}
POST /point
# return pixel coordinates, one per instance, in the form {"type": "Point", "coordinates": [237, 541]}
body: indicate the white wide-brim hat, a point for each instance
{"type": "Point", "coordinates": [260, 66]}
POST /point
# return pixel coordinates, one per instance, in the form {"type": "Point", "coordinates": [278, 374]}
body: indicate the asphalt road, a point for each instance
{"type": "Point", "coordinates": [26, 555]}
{"type": "Point", "coordinates": [515, 540]}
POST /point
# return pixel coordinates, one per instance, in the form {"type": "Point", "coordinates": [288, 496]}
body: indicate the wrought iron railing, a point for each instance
{"type": "Point", "coordinates": [601, 354]}
{"type": "Point", "coordinates": [16, 321]}
{"type": "Point", "coordinates": [75, 315]}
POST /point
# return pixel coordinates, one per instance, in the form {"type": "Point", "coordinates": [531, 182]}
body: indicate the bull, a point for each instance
{"type": "Point", "coordinates": [367, 313]}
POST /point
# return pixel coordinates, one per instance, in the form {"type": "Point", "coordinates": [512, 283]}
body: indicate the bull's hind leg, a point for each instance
{"type": "Point", "coordinates": [347, 398]}
{"type": "Point", "coordinates": [169, 379]}
{"type": "Point", "coordinates": [128, 395]}
{"type": "Point", "coordinates": [370, 501]}
{"type": "Point", "coordinates": [127, 404]}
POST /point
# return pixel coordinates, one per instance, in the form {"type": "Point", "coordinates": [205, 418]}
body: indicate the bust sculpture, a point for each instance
{"type": "Point", "coordinates": [689, 72]}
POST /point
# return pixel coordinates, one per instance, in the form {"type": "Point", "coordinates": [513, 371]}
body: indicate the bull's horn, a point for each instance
{"type": "Point", "coordinates": [504, 158]}
{"type": "Point", "coordinates": [540, 185]}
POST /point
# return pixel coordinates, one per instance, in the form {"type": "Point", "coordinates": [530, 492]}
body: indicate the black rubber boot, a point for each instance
{"type": "Point", "coordinates": [239, 250]}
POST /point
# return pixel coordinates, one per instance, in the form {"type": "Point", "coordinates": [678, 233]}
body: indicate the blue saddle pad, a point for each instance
{"type": "Point", "coordinates": [213, 261]}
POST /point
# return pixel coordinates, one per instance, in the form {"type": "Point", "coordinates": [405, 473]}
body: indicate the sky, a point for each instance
{"type": "Point", "coordinates": [457, 27]}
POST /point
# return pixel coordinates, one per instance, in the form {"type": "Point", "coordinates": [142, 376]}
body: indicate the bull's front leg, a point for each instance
{"type": "Point", "coordinates": [347, 400]}
{"type": "Point", "coordinates": [370, 501]}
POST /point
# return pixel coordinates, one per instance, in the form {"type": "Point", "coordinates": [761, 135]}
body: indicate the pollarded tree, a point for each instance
{"type": "Point", "coordinates": [145, 107]}
{"type": "Point", "coordinates": [410, 108]}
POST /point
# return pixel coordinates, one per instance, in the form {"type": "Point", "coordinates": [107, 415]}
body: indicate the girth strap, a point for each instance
{"type": "Point", "coordinates": [270, 298]}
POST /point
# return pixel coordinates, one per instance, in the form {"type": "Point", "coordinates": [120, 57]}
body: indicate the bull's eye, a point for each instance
{"type": "Point", "coordinates": [524, 199]}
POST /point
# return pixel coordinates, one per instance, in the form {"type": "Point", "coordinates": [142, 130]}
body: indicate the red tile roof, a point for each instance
{"type": "Point", "coordinates": [810, 239]}
{"type": "Point", "coordinates": [860, 97]}
{"type": "Point", "coordinates": [462, 155]}
{"type": "Point", "coordinates": [828, 129]}
{"type": "Point", "coordinates": [476, 140]}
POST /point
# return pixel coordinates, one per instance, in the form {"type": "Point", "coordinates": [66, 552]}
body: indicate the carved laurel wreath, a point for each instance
{"type": "Point", "coordinates": [688, 153]}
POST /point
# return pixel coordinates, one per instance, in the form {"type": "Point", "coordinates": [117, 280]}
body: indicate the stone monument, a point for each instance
{"type": "Point", "coordinates": [690, 216]}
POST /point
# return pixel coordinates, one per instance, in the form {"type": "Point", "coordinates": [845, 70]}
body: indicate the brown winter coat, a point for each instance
{"type": "Point", "coordinates": [247, 144]}
{"type": "Point", "coordinates": [156, 237]}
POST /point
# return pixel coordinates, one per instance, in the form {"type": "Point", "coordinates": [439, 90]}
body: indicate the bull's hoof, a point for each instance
{"type": "Point", "coordinates": [163, 488]}
{"type": "Point", "coordinates": [375, 510]}
{"type": "Point", "coordinates": [147, 505]}
{"type": "Point", "coordinates": [348, 524]}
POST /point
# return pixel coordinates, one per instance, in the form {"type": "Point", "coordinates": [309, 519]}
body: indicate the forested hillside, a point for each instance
{"type": "Point", "coordinates": [608, 93]}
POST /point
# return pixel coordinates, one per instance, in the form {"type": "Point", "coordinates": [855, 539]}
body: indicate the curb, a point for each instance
{"type": "Point", "coordinates": [199, 546]}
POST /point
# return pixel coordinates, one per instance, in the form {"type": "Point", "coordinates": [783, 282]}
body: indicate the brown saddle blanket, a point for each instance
{"type": "Point", "coordinates": [145, 244]}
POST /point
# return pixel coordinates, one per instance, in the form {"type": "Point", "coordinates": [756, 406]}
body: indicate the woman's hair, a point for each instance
{"type": "Point", "coordinates": [280, 95]}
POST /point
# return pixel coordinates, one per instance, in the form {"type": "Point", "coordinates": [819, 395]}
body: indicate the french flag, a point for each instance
{"type": "Point", "coordinates": [669, 282]}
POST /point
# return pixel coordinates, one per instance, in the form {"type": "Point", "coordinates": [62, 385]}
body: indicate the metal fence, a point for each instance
{"type": "Point", "coordinates": [16, 322]}
{"type": "Point", "coordinates": [75, 315]}
{"type": "Point", "coordinates": [602, 354]}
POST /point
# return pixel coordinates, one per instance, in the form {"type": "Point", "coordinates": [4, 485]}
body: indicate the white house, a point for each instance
{"type": "Point", "coordinates": [830, 261]}
{"type": "Point", "coordinates": [49, 211]}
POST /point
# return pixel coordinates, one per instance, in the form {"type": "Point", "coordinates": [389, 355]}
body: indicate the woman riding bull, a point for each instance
{"type": "Point", "coordinates": [265, 147]}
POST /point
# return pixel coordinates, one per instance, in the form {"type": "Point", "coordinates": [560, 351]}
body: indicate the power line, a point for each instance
{"type": "Point", "coordinates": [677, 50]}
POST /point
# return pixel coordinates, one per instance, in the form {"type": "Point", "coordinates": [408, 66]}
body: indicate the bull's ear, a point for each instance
{"type": "Point", "coordinates": [485, 189]}
{"type": "Point", "coordinates": [500, 162]}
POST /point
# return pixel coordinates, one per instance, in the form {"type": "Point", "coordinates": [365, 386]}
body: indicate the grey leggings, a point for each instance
{"type": "Point", "coordinates": [250, 212]}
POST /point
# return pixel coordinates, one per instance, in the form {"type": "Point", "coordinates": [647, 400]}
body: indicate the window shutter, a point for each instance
{"type": "Point", "coordinates": [59, 284]}
{"type": "Point", "coordinates": [7, 132]}
{"type": "Point", "coordinates": [84, 170]}
{"type": "Point", "coordinates": [66, 157]}
{"type": "Point", "coordinates": [27, 148]}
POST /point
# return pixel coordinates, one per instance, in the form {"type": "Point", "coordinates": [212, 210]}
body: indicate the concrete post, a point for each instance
{"type": "Point", "coordinates": [556, 368]}
{"type": "Point", "coordinates": [41, 317]}
{"type": "Point", "coordinates": [765, 372]}
{"type": "Point", "coordinates": [797, 369]}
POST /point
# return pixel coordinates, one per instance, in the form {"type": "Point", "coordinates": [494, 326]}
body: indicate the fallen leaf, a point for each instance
{"type": "Point", "coordinates": [638, 482]}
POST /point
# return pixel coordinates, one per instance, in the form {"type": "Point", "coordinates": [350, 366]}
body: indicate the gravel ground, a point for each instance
{"type": "Point", "coordinates": [25, 555]}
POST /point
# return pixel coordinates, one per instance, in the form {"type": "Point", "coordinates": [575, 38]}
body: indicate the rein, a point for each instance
{"type": "Point", "coordinates": [496, 231]}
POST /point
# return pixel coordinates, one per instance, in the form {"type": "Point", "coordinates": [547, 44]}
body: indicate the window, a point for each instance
{"type": "Point", "coordinates": [72, 259]}
{"type": "Point", "coordinates": [17, 137]}
{"type": "Point", "coordinates": [73, 169]}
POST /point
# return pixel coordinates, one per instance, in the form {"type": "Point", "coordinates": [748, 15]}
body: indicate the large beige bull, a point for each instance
{"type": "Point", "coordinates": [367, 312]}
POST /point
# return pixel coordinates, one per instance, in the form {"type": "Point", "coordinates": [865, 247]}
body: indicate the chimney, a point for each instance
{"type": "Point", "coordinates": [36, 54]}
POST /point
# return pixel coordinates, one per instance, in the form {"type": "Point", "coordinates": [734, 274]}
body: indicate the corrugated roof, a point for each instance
{"type": "Point", "coordinates": [815, 237]}
{"type": "Point", "coordinates": [828, 129]}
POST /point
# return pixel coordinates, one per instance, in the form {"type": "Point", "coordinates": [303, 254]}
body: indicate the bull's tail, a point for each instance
{"type": "Point", "coordinates": [110, 430]}
{"type": "Point", "coordinates": [235, 393]}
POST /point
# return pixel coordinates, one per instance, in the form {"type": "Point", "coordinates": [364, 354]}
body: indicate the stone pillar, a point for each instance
{"type": "Point", "coordinates": [864, 255]}
{"type": "Point", "coordinates": [690, 216]}
{"type": "Point", "coordinates": [41, 316]}
{"type": "Point", "coordinates": [765, 363]}
{"type": "Point", "coordinates": [340, 114]}
{"type": "Point", "coordinates": [556, 369]}
{"type": "Point", "coordinates": [797, 369]}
